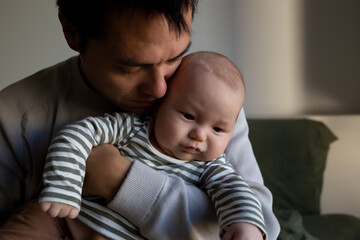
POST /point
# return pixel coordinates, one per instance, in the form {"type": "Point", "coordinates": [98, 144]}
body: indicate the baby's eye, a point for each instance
{"type": "Point", "coordinates": [188, 116]}
{"type": "Point", "coordinates": [217, 129]}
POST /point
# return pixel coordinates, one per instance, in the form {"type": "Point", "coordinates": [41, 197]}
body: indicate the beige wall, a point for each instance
{"type": "Point", "coordinates": [288, 50]}
{"type": "Point", "coordinates": [341, 193]}
{"type": "Point", "coordinates": [30, 38]}
{"type": "Point", "coordinates": [297, 56]}
{"type": "Point", "coordinates": [268, 51]}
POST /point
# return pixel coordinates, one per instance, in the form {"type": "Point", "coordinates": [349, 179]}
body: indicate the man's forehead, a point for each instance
{"type": "Point", "coordinates": [127, 60]}
{"type": "Point", "coordinates": [134, 39]}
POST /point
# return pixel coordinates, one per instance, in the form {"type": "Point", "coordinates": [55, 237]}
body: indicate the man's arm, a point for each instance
{"type": "Point", "coordinates": [21, 158]}
{"type": "Point", "coordinates": [12, 178]}
{"type": "Point", "coordinates": [156, 202]}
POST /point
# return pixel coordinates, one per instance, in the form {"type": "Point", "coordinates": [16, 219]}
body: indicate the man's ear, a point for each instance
{"type": "Point", "coordinates": [71, 34]}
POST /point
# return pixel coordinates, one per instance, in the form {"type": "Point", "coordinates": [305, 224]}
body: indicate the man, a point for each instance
{"type": "Point", "coordinates": [128, 50]}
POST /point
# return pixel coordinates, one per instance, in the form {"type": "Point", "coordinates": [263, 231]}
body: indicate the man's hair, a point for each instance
{"type": "Point", "coordinates": [87, 16]}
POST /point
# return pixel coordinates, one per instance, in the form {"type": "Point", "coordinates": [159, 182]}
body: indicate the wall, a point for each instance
{"type": "Point", "coordinates": [238, 30]}
{"type": "Point", "coordinates": [288, 51]}
{"type": "Point", "coordinates": [302, 51]}
{"type": "Point", "coordinates": [30, 38]}
{"type": "Point", "coordinates": [331, 46]}
{"type": "Point", "coordinates": [341, 194]}
{"type": "Point", "coordinates": [268, 37]}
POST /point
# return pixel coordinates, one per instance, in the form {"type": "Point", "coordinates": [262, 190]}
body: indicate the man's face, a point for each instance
{"type": "Point", "coordinates": [133, 58]}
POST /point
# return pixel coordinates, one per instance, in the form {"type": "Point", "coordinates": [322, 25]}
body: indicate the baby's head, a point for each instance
{"type": "Point", "coordinates": [197, 117]}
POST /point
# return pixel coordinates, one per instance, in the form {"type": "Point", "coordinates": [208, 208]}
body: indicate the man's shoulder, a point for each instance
{"type": "Point", "coordinates": [37, 87]}
{"type": "Point", "coordinates": [47, 78]}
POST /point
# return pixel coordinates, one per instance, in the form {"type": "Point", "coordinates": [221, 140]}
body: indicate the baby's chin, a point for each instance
{"type": "Point", "coordinates": [191, 157]}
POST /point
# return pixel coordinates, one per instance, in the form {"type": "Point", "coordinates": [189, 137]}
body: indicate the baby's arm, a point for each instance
{"type": "Point", "coordinates": [65, 163]}
{"type": "Point", "coordinates": [238, 210]}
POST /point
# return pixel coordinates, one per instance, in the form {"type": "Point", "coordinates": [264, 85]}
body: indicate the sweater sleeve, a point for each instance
{"type": "Point", "coordinates": [64, 169]}
{"type": "Point", "coordinates": [232, 197]}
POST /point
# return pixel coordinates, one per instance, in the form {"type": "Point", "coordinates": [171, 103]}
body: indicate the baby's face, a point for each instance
{"type": "Point", "coordinates": [197, 118]}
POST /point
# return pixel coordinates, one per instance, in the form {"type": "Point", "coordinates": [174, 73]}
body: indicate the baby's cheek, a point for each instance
{"type": "Point", "coordinates": [218, 148]}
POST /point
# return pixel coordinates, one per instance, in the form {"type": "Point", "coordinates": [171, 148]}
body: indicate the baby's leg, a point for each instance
{"type": "Point", "coordinates": [61, 210]}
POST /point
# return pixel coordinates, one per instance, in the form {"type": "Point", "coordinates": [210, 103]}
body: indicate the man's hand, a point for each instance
{"type": "Point", "coordinates": [61, 210]}
{"type": "Point", "coordinates": [242, 231]}
{"type": "Point", "coordinates": [106, 169]}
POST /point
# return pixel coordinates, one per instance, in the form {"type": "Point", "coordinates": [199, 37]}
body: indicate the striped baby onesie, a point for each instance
{"type": "Point", "coordinates": [65, 171]}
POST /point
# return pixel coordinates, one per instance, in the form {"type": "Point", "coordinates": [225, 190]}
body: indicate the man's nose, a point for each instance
{"type": "Point", "coordinates": [198, 134]}
{"type": "Point", "coordinates": [155, 85]}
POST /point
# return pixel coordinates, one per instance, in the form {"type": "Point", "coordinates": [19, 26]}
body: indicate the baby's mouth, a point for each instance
{"type": "Point", "coordinates": [192, 149]}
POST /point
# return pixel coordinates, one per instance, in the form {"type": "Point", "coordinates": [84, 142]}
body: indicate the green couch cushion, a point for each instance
{"type": "Point", "coordinates": [333, 226]}
{"type": "Point", "coordinates": [291, 154]}
{"type": "Point", "coordinates": [292, 227]}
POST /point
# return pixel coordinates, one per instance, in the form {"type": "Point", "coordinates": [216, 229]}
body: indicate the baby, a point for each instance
{"type": "Point", "coordinates": [186, 136]}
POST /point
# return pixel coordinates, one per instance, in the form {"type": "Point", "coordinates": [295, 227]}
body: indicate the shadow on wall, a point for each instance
{"type": "Point", "coordinates": [332, 56]}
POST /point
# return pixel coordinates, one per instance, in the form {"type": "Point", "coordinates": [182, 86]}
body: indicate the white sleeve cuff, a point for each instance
{"type": "Point", "coordinates": [138, 192]}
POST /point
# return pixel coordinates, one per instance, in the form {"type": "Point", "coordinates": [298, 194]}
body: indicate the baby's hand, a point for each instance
{"type": "Point", "coordinates": [241, 231]}
{"type": "Point", "coordinates": [55, 209]}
